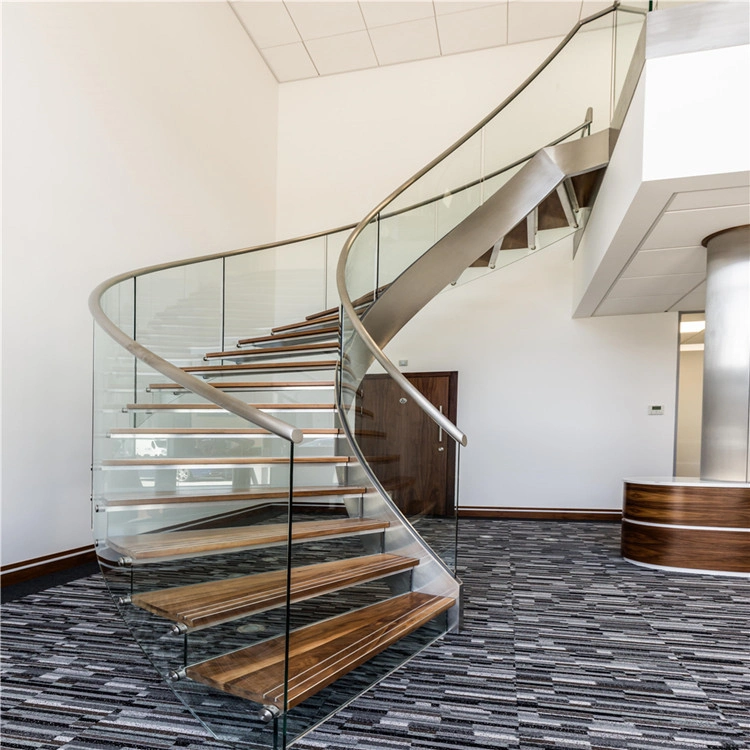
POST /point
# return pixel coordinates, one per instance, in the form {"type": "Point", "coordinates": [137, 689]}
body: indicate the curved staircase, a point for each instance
{"type": "Point", "coordinates": [245, 494]}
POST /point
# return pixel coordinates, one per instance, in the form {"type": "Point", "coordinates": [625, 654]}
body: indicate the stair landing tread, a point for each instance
{"type": "Point", "coordinates": [211, 603]}
{"type": "Point", "coordinates": [180, 544]}
{"type": "Point", "coordinates": [318, 654]}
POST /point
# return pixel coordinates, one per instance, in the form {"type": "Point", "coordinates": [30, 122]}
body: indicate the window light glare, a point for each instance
{"type": "Point", "coordinates": [692, 326]}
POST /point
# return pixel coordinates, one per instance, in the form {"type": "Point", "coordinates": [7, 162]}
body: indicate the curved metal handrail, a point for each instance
{"type": "Point", "coordinates": [346, 303]}
{"type": "Point", "coordinates": [186, 380]}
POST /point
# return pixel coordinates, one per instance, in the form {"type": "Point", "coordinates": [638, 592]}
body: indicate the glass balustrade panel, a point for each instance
{"type": "Point", "coordinates": [274, 287]}
{"type": "Point", "coordinates": [362, 273]}
{"type": "Point", "coordinates": [178, 316]}
{"type": "Point", "coordinates": [628, 55]}
{"type": "Point", "coordinates": [577, 79]}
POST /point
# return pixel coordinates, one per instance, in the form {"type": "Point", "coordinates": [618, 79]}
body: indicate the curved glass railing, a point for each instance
{"type": "Point", "coordinates": [231, 519]}
{"type": "Point", "coordinates": [592, 71]}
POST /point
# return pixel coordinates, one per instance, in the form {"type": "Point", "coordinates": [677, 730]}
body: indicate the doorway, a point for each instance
{"type": "Point", "coordinates": [414, 460]}
{"type": "Point", "coordinates": [690, 395]}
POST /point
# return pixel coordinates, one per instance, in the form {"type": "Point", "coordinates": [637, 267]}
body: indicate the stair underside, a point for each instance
{"type": "Point", "coordinates": [266, 493]}
{"type": "Point", "coordinates": [205, 604]}
{"type": "Point", "coordinates": [175, 545]}
{"type": "Point", "coordinates": [318, 654]}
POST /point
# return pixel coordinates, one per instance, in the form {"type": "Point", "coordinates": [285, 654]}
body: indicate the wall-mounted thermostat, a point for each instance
{"type": "Point", "coordinates": [654, 409]}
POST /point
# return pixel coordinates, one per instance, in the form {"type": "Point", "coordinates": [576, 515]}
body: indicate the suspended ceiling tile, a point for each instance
{"type": "Point", "coordinates": [342, 53]}
{"type": "Point", "coordinates": [289, 62]}
{"type": "Point", "coordinates": [539, 20]}
{"type": "Point", "coordinates": [637, 305]}
{"type": "Point", "coordinates": [445, 8]}
{"type": "Point", "coordinates": [735, 196]}
{"type": "Point", "coordinates": [389, 13]}
{"type": "Point", "coordinates": [315, 20]}
{"type": "Point", "coordinates": [695, 300]}
{"type": "Point", "coordinates": [403, 42]}
{"type": "Point", "coordinates": [651, 286]}
{"type": "Point", "coordinates": [683, 228]}
{"type": "Point", "coordinates": [667, 261]}
{"type": "Point", "coordinates": [268, 23]}
{"type": "Point", "coordinates": [473, 29]}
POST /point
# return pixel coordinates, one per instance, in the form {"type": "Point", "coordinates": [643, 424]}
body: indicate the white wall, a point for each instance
{"type": "Point", "coordinates": [555, 409]}
{"type": "Point", "coordinates": [132, 134]}
{"type": "Point", "coordinates": [347, 141]}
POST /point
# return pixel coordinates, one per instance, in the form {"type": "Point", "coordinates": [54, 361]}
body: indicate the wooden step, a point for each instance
{"type": "Point", "coordinates": [229, 461]}
{"type": "Point", "coordinates": [202, 605]}
{"type": "Point", "coordinates": [221, 432]}
{"type": "Point", "coordinates": [273, 351]}
{"type": "Point", "coordinates": [318, 654]}
{"type": "Point", "coordinates": [176, 545]}
{"type": "Point", "coordinates": [329, 331]}
{"type": "Point", "coordinates": [261, 493]}
{"type": "Point", "coordinates": [362, 301]}
{"type": "Point", "coordinates": [185, 407]}
{"type": "Point", "coordinates": [177, 406]}
{"type": "Point", "coordinates": [208, 370]}
{"type": "Point", "coordinates": [321, 319]}
{"type": "Point", "coordinates": [270, 385]}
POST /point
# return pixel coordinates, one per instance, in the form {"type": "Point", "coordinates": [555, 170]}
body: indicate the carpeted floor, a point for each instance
{"type": "Point", "coordinates": [564, 645]}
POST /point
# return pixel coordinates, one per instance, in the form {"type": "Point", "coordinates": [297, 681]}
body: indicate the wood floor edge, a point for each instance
{"type": "Point", "coordinates": [544, 514]}
{"type": "Point", "coordinates": [27, 570]}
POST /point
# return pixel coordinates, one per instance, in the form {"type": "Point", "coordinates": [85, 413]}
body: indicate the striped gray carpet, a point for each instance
{"type": "Point", "coordinates": [564, 646]}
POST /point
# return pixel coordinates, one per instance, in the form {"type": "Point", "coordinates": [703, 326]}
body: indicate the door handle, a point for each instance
{"type": "Point", "coordinates": [440, 429]}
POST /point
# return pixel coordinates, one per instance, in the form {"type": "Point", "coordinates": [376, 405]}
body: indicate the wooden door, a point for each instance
{"type": "Point", "coordinates": [414, 460]}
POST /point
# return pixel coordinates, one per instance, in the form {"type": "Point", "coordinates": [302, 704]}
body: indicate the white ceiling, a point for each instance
{"type": "Point", "coordinates": [306, 39]}
{"type": "Point", "coordinates": [668, 270]}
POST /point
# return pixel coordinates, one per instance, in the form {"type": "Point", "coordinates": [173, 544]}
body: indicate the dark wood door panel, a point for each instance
{"type": "Point", "coordinates": [422, 479]}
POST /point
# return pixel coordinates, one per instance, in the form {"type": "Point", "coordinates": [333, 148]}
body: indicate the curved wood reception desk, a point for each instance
{"type": "Point", "coordinates": [687, 524]}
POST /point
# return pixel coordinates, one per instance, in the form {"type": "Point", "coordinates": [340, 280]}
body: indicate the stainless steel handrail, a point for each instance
{"type": "Point", "coordinates": [346, 302]}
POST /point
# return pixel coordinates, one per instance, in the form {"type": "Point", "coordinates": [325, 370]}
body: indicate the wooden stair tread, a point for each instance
{"type": "Point", "coordinates": [307, 323]}
{"type": "Point", "coordinates": [181, 544]}
{"type": "Point", "coordinates": [226, 460]}
{"type": "Point", "coordinates": [318, 654]}
{"type": "Point", "coordinates": [272, 351]}
{"type": "Point", "coordinates": [365, 299]}
{"type": "Point", "coordinates": [201, 406]}
{"type": "Point", "coordinates": [213, 602]}
{"type": "Point", "coordinates": [322, 331]}
{"type": "Point", "coordinates": [265, 493]}
{"type": "Point", "coordinates": [327, 364]}
{"type": "Point", "coordinates": [155, 432]}
{"type": "Point", "coordinates": [257, 386]}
